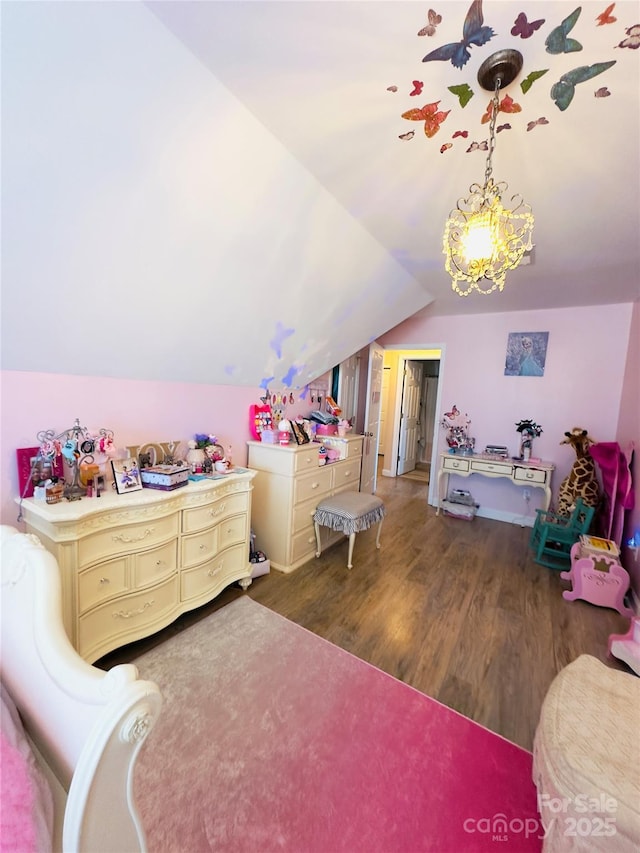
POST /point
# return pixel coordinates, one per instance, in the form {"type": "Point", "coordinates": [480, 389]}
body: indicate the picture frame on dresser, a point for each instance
{"type": "Point", "coordinates": [299, 433]}
{"type": "Point", "coordinates": [126, 475]}
{"type": "Point", "coordinates": [34, 469]}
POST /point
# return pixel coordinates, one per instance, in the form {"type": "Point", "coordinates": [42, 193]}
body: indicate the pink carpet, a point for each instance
{"type": "Point", "coordinates": [272, 739]}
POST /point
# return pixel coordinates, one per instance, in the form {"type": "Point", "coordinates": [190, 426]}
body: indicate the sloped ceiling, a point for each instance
{"type": "Point", "coordinates": [228, 192]}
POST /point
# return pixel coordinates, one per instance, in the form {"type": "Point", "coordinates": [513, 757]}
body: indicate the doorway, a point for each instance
{"type": "Point", "coordinates": [410, 406]}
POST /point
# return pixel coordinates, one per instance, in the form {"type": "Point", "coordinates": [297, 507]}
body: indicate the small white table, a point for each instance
{"type": "Point", "coordinates": [527, 474]}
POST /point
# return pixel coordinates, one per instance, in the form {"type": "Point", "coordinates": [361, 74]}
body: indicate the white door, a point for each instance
{"type": "Point", "coordinates": [372, 420]}
{"type": "Point", "coordinates": [384, 410]}
{"type": "Point", "coordinates": [409, 417]}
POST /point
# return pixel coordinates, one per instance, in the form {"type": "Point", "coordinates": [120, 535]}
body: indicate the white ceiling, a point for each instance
{"type": "Point", "coordinates": [317, 74]}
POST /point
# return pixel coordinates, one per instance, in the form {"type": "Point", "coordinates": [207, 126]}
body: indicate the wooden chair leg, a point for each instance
{"type": "Point", "coordinates": [352, 539]}
{"type": "Point", "coordinates": [379, 531]}
{"type": "Point", "coordinates": [318, 546]}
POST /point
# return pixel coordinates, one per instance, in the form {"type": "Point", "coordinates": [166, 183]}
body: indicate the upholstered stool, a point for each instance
{"type": "Point", "coordinates": [586, 760]}
{"type": "Point", "coordinates": [350, 512]}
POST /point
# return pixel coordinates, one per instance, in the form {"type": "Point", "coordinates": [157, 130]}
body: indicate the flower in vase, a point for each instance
{"type": "Point", "coordinates": [529, 428]}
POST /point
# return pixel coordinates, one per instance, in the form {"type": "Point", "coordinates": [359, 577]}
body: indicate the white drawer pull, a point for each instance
{"type": "Point", "coordinates": [122, 537]}
{"type": "Point", "coordinates": [214, 512]}
{"type": "Point", "coordinates": [159, 562]}
{"type": "Point", "coordinates": [127, 614]}
{"type": "Point", "coordinates": [104, 580]}
{"type": "Point", "coordinates": [529, 475]}
{"type": "Point", "coordinates": [315, 485]}
{"type": "Point", "coordinates": [203, 547]}
{"type": "Point", "coordinates": [212, 572]}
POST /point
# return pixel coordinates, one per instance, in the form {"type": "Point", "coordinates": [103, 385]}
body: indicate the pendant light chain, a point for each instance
{"type": "Point", "coordinates": [495, 105]}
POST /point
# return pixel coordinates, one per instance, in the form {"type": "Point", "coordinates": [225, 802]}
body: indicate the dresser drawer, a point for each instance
{"type": "Point", "coordinates": [126, 617]}
{"type": "Point", "coordinates": [504, 469]}
{"type": "Point", "coordinates": [150, 567]}
{"type": "Point", "coordinates": [316, 484]}
{"type": "Point", "coordinates": [307, 459]}
{"type": "Point", "coordinates": [231, 531]}
{"type": "Point", "coordinates": [124, 540]}
{"type": "Point", "coordinates": [198, 547]}
{"type": "Point", "coordinates": [455, 465]}
{"type": "Point", "coordinates": [226, 566]}
{"type": "Point", "coordinates": [202, 517]}
{"type": "Point", "coordinates": [530, 475]}
{"type": "Point", "coordinates": [102, 582]}
{"type": "Point", "coordinates": [303, 544]}
{"type": "Point", "coordinates": [346, 475]}
{"type": "Point", "coordinates": [303, 515]}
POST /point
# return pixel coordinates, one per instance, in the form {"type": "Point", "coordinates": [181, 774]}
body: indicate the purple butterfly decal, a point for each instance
{"type": "Point", "coordinates": [473, 34]}
{"type": "Point", "coordinates": [478, 146]}
{"type": "Point", "coordinates": [434, 19]}
{"type": "Point", "coordinates": [602, 92]}
{"type": "Point", "coordinates": [502, 127]}
{"type": "Point", "coordinates": [392, 88]}
{"type": "Point", "coordinates": [532, 124]}
{"type": "Point", "coordinates": [408, 135]}
{"type": "Point", "coordinates": [462, 133]}
{"type": "Point", "coordinates": [280, 336]}
{"type": "Point", "coordinates": [524, 29]}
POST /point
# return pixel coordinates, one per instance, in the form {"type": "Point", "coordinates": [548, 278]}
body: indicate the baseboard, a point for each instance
{"type": "Point", "coordinates": [509, 517]}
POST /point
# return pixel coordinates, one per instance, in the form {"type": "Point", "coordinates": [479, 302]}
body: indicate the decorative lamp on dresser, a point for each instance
{"type": "Point", "coordinates": [289, 485]}
{"type": "Point", "coordinates": [132, 563]}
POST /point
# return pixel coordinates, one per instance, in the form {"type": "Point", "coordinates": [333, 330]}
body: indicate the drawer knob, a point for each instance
{"type": "Point", "coordinates": [159, 562]}
{"type": "Point", "coordinates": [203, 547]}
{"type": "Point", "coordinates": [529, 475]}
{"type": "Point", "coordinates": [315, 485]}
{"type": "Point", "coordinates": [104, 580]}
{"type": "Point", "coordinates": [127, 614]}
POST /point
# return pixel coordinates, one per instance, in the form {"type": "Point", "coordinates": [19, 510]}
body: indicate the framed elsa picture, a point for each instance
{"type": "Point", "coordinates": [526, 353]}
{"type": "Point", "coordinates": [126, 475]}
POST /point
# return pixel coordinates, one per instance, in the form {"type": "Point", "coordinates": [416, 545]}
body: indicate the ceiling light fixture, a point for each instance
{"type": "Point", "coordinates": [482, 238]}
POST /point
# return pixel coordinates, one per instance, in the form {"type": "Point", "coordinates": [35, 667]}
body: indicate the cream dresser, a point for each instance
{"type": "Point", "coordinates": [287, 489]}
{"type": "Point", "coordinates": [130, 564]}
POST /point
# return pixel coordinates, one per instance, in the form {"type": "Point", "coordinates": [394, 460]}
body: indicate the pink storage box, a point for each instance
{"type": "Point", "coordinates": [327, 429]}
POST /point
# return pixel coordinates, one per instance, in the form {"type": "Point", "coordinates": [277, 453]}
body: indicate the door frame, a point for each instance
{"type": "Point", "coordinates": [426, 352]}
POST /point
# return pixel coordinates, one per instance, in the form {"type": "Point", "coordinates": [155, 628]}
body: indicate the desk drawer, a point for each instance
{"type": "Point", "coordinates": [530, 475]}
{"type": "Point", "coordinates": [456, 465]}
{"type": "Point", "coordinates": [104, 581]}
{"type": "Point", "coordinates": [501, 468]}
{"type": "Point", "coordinates": [307, 459]}
{"type": "Point", "coordinates": [199, 547]}
{"type": "Point", "coordinates": [150, 567]}
{"type": "Point", "coordinates": [225, 566]}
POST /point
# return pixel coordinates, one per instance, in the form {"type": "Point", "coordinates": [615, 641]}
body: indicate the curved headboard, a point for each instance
{"type": "Point", "coordinates": [88, 724]}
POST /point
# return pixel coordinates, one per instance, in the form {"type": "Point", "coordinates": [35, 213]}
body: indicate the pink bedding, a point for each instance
{"type": "Point", "coordinates": [26, 817]}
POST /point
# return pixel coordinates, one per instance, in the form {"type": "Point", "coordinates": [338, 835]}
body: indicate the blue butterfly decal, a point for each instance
{"type": "Point", "coordinates": [563, 91]}
{"type": "Point", "coordinates": [558, 41]}
{"type": "Point", "coordinates": [473, 33]}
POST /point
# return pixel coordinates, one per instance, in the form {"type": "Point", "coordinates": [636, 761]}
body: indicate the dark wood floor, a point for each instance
{"type": "Point", "coordinates": [456, 609]}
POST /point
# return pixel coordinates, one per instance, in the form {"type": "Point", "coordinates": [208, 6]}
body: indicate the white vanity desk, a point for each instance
{"type": "Point", "coordinates": [526, 474]}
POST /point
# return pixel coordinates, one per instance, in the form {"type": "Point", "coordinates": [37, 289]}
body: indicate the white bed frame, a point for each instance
{"type": "Point", "coordinates": [87, 725]}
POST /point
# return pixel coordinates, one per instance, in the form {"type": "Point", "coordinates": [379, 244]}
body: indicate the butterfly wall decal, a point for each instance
{"type": "Point", "coordinates": [463, 92]}
{"type": "Point", "coordinates": [558, 41]}
{"type": "Point", "coordinates": [430, 115]}
{"type": "Point", "coordinates": [478, 146]}
{"type": "Point", "coordinates": [462, 133]}
{"type": "Point", "coordinates": [473, 34]}
{"type": "Point", "coordinates": [563, 91]}
{"type": "Point", "coordinates": [602, 92]}
{"type": "Point", "coordinates": [506, 105]}
{"type": "Point", "coordinates": [606, 17]}
{"type": "Point", "coordinates": [406, 136]}
{"type": "Point", "coordinates": [530, 79]}
{"type": "Point", "coordinates": [502, 127]}
{"type": "Point", "coordinates": [418, 85]}
{"type": "Point", "coordinates": [445, 147]}
{"type": "Point", "coordinates": [532, 124]}
{"type": "Point", "coordinates": [633, 38]}
{"type": "Point", "coordinates": [523, 28]}
{"type": "Point", "coordinates": [434, 19]}
{"type": "Point", "coordinates": [392, 88]}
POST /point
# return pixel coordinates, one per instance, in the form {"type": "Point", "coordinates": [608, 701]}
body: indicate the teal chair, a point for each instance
{"type": "Point", "coordinates": [553, 535]}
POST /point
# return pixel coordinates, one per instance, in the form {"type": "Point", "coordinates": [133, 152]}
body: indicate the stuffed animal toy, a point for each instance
{"type": "Point", "coordinates": [581, 481]}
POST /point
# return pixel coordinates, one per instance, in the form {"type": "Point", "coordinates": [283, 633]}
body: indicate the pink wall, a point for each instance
{"type": "Point", "coordinates": [138, 412]}
{"type": "Point", "coordinates": [582, 384]}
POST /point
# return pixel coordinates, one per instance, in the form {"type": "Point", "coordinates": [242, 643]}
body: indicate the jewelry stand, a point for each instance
{"type": "Point", "coordinates": [76, 445]}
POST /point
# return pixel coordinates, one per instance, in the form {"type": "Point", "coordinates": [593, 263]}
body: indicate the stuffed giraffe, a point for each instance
{"type": "Point", "coordinates": [581, 481]}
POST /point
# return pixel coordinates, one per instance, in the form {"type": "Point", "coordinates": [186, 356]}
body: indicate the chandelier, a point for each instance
{"type": "Point", "coordinates": [483, 239]}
